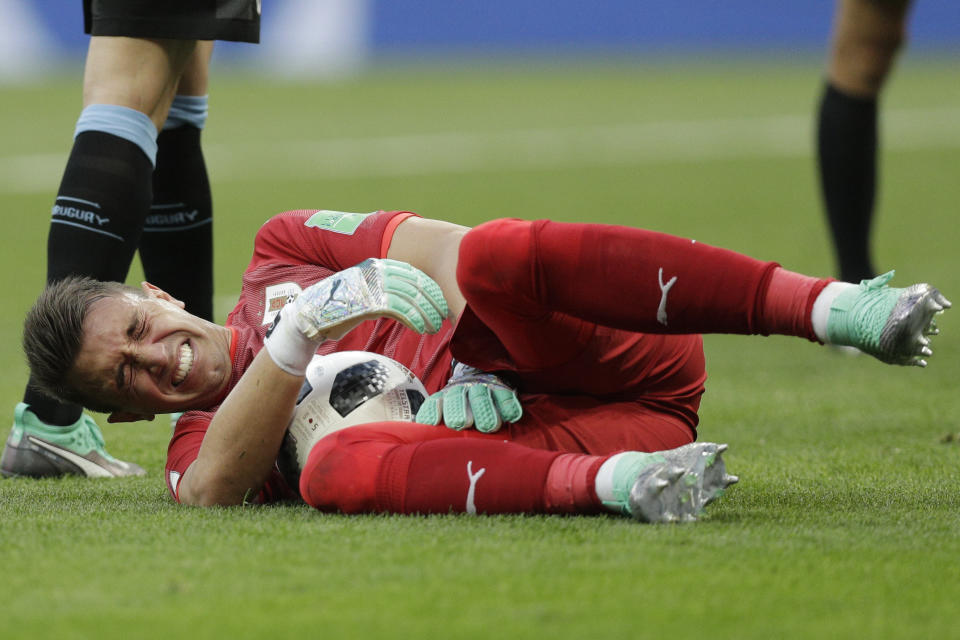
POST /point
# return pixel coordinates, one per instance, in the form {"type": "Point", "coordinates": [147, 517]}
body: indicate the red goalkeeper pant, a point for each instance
{"type": "Point", "coordinates": [402, 467]}
{"type": "Point", "coordinates": [611, 313]}
{"type": "Point", "coordinates": [541, 289]}
{"type": "Point", "coordinates": [600, 325]}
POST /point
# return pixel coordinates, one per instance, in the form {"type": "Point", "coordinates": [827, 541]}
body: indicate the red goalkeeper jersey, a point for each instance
{"type": "Point", "coordinates": [292, 251]}
{"type": "Point", "coordinates": [558, 310]}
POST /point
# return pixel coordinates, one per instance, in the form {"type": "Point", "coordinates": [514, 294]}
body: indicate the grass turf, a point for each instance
{"type": "Point", "coordinates": [845, 523]}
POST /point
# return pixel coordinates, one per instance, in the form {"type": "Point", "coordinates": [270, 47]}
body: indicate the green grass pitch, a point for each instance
{"type": "Point", "coordinates": [846, 522]}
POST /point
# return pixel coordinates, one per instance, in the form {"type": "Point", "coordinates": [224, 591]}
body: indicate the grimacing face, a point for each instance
{"type": "Point", "coordinates": [147, 355]}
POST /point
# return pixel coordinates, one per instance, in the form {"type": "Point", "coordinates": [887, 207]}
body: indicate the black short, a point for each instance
{"type": "Point", "coordinates": [237, 20]}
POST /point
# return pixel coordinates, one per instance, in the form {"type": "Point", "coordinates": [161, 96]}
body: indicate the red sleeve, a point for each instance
{"type": "Point", "coordinates": [333, 239]}
{"type": "Point", "coordinates": [184, 447]}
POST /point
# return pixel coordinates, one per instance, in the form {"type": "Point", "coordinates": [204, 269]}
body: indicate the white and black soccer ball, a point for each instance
{"type": "Point", "coordinates": [342, 390]}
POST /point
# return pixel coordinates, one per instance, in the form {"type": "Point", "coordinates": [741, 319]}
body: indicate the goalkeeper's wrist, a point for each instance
{"type": "Point", "coordinates": [287, 346]}
{"type": "Point", "coordinates": [466, 372]}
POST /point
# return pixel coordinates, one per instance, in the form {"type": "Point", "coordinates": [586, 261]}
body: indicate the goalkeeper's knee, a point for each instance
{"type": "Point", "coordinates": [496, 261]}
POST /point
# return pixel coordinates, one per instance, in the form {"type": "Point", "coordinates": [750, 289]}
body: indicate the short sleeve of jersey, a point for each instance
{"type": "Point", "coordinates": [184, 446]}
{"type": "Point", "coordinates": [336, 240]}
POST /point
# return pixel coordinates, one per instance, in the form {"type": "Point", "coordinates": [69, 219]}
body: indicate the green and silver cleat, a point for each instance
{"type": "Point", "coordinates": [891, 324]}
{"type": "Point", "coordinates": [706, 472]}
{"type": "Point", "coordinates": [673, 485]}
{"type": "Point", "coordinates": [37, 450]}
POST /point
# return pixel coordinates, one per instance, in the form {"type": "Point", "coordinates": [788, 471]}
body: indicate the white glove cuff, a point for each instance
{"type": "Point", "coordinates": [288, 347]}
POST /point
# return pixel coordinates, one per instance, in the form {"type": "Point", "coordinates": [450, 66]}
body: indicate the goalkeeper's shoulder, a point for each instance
{"type": "Point", "coordinates": [336, 240]}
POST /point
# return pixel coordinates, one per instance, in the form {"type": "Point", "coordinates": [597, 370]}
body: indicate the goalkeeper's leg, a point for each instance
{"type": "Point", "coordinates": [536, 284]}
{"type": "Point", "coordinates": [404, 468]}
{"type": "Point", "coordinates": [369, 467]}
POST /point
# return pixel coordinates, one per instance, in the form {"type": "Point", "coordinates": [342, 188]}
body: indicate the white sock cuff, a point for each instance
{"type": "Point", "coordinates": [821, 308]}
{"type": "Point", "coordinates": [603, 484]}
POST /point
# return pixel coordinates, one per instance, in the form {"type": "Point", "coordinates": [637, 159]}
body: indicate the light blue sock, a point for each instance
{"type": "Point", "coordinates": [190, 110]}
{"type": "Point", "coordinates": [122, 122]}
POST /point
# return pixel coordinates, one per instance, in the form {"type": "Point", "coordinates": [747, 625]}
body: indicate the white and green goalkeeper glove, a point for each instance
{"type": "Point", "coordinates": [374, 288]}
{"type": "Point", "coordinates": [472, 398]}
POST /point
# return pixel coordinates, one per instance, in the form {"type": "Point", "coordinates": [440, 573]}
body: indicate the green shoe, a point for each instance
{"type": "Point", "coordinates": [890, 324]}
{"type": "Point", "coordinates": [37, 450]}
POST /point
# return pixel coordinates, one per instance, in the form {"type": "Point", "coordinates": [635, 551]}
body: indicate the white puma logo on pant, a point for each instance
{"type": "Point", "coordinates": [471, 507]}
{"type": "Point", "coordinates": [664, 290]}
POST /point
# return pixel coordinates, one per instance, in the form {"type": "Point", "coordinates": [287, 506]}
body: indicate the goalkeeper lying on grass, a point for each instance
{"type": "Point", "coordinates": [586, 336]}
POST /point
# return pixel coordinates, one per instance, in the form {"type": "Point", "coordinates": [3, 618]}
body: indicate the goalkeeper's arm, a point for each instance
{"type": "Point", "coordinates": [241, 444]}
{"type": "Point", "coordinates": [433, 246]}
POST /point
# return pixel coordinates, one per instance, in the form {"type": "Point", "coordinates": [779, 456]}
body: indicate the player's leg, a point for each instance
{"type": "Point", "coordinates": [867, 34]}
{"type": "Point", "coordinates": [534, 285]}
{"type": "Point", "coordinates": [177, 243]}
{"type": "Point", "coordinates": [584, 423]}
{"type": "Point", "coordinates": [663, 422]}
{"type": "Point", "coordinates": [390, 466]}
{"type": "Point", "coordinates": [410, 468]}
{"type": "Point", "coordinates": [542, 287]}
{"type": "Point", "coordinates": [98, 215]}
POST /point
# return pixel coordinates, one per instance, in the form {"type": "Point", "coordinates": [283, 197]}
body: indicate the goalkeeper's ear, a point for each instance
{"type": "Point", "coordinates": [153, 291]}
{"type": "Point", "coordinates": [129, 416]}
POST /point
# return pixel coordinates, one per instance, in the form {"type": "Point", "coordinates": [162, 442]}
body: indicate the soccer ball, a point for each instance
{"type": "Point", "coordinates": [342, 390]}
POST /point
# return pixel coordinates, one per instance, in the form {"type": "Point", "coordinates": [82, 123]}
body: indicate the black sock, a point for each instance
{"type": "Point", "coordinates": [51, 411]}
{"type": "Point", "coordinates": [103, 199]}
{"type": "Point", "coordinates": [177, 243]}
{"type": "Point", "coordinates": [847, 154]}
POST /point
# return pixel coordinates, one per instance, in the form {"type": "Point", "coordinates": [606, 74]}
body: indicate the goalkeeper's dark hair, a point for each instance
{"type": "Point", "coordinates": [53, 333]}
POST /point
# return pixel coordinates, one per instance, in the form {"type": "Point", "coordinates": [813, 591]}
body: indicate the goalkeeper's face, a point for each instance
{"type": "Point", "coordinates": [146, 355]}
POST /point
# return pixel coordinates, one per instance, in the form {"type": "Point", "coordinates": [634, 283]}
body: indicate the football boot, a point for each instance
{"type": "Point", "coordinates": [670, 486]}
{"type": "Point", "coordinates": [37, 450]}
{"type": "Point", "coordinates": [891, 324]}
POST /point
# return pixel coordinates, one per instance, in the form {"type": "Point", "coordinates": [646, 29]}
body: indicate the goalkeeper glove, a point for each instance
{"type": "Point", "coordinates": [472, 398]}
{"type": "Point", "coordinates": [330, 308]}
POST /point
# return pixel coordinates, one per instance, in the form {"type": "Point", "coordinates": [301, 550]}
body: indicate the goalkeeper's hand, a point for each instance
{"type": "Point", "coordinates": [472, 398]}
{"type": "Point", "coordinates": [330, 308]}
{"type": "Point", "coordinates": [372, 289]}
